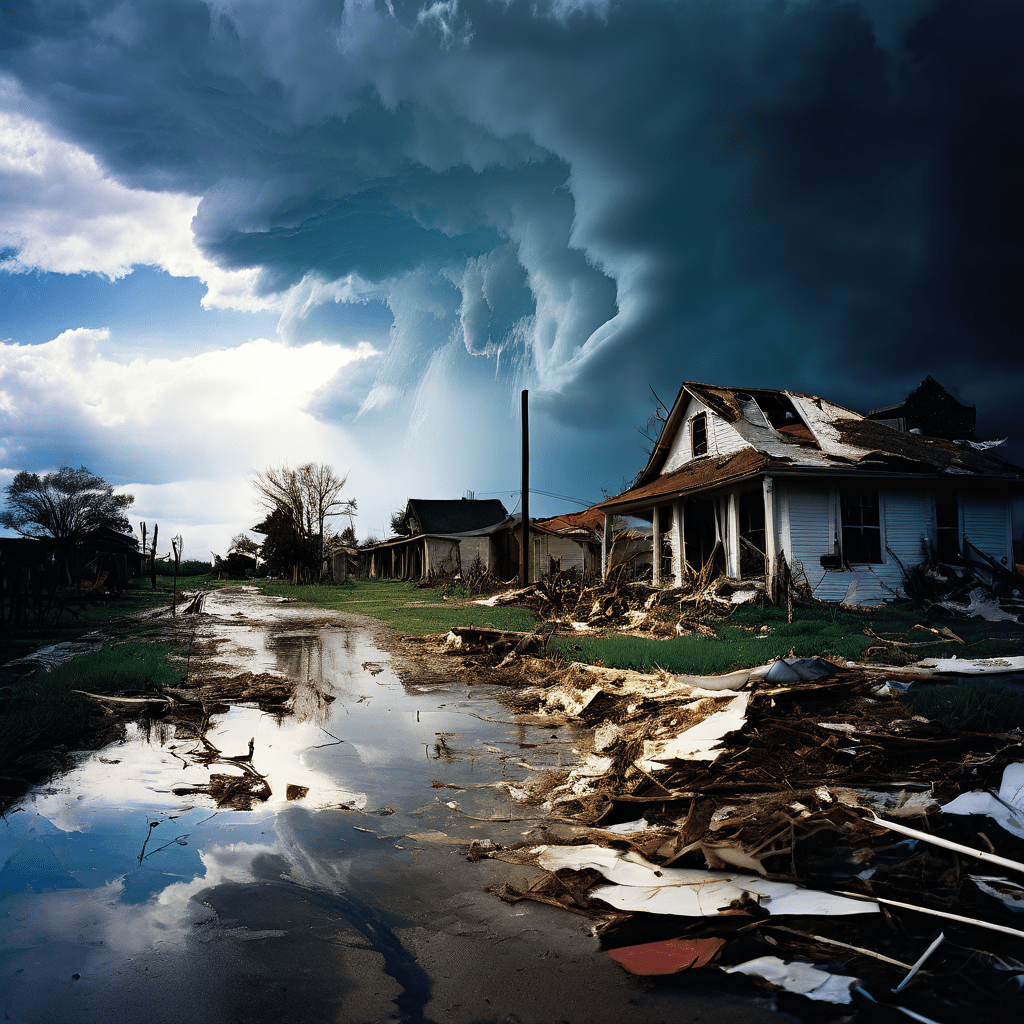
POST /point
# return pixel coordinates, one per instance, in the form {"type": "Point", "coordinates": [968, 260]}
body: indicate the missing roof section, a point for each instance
{"type": "Point", "coordinates": [775, 409]}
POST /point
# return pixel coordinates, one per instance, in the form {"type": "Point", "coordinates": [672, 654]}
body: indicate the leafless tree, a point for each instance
{"type": "Point", "coordinates": [308, 495]}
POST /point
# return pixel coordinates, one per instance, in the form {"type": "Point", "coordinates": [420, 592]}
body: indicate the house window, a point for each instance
{"type": "Point", "coordinates": [947, 524]}
{"type": "Point", "coordinates": [699, 434]}
{"type": "Point", "coordinates": [861, 524]}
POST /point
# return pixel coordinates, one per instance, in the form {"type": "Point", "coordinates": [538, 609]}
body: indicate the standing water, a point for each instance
{"type": "Point", "coordinates": [127, 893]}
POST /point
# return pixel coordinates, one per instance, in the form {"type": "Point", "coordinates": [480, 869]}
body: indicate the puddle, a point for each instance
{"type": "Point", "coordinates": [87, 884]}
{"type": "Point", "coordinates": [122, 899]}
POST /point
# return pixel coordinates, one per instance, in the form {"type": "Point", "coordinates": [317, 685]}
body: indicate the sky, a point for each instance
{"type": "Point", "coordinates": [236, 234]}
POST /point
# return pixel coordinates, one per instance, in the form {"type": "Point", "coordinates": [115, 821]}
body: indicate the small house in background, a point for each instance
{"type": "Point", "coordinates": [760, 482]}
{"type": "Point", "coordinates": [448, 537]}
{"type": "Point", "coordinates": [570, 542]}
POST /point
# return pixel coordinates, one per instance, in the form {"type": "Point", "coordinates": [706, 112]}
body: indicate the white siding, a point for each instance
{"type": "Point", "coordinates": [723, 439]}
{"type": "Point", "coordinates": [987, 523]}
{"type": "Point", "coordinates": [808, 514]}
{"type": "Point", "coordinates": [546, 546]}
{"type": "Point", "coordinates": [909, 522]}
{"type": "Point", "coordinates": [471, 548]}
{"type": "Point", "coordinates": [808, 526]}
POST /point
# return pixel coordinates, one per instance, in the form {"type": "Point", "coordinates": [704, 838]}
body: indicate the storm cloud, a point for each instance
{"type": "Point", "coordinates": [581, 198]}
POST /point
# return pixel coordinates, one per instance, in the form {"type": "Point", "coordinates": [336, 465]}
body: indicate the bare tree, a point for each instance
{"type": "Point", "coordinates": [308, 495]}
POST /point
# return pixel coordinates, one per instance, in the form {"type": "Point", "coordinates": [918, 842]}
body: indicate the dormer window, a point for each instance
{"type": "Point", "coordinates": [699, 434]}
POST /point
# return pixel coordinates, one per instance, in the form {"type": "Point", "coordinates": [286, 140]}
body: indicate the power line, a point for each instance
{"type": "Point", "coordinates": [535, 490]}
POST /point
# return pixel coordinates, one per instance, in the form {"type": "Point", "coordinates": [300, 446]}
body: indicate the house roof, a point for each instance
{"type": "Point", "coordinates": [696, 476]}
{"type": "Point", "coordinates": [458, 516]}
{"type": "Point", "coordinates": [935, 410]}
{"type": "Point", "coordinates": [817, 436]}
{"type": "Point", "coordinates": [571, 522]}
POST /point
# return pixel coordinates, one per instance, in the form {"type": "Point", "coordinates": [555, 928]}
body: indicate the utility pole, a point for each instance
{"type": "Point", "coordinates": [524, 502]}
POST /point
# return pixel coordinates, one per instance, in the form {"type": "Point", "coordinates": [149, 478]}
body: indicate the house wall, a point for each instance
{"type": "Point", "coordinates": [546, 546]}
{"type": "Point", "coordinates": [484, 548]}
{"type": "Point", "coordinates": [809, 522]}
{"type": "Point", "coordinates": [986, 521]}
{"type": "Point", "coordinates": [442, 556]}
{"type": "Point", "coordinates": [723, 439]}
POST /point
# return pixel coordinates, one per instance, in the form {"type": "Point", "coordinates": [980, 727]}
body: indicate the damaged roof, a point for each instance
{"type": "Point", "coordinates": [788, 430]}
{"type": "Point", "coordinates": [571, 522]}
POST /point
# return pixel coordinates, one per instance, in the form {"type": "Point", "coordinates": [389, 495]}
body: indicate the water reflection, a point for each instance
{"type": "Point", "coordinates": [114, 867]}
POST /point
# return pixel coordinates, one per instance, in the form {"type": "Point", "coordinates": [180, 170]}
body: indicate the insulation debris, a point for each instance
{"type": "Point", "coordinates": [801, 978]}
{"type": "Point", "coordinates": [799, 791]}
{"type": "Point", "coordinates": [1006, 807]}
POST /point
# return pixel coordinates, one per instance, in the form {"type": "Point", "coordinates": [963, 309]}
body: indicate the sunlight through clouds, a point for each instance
{"type": "Point", "coordinates": [206, 421]}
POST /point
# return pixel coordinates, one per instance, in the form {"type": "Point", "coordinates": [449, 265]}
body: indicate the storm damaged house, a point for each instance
{"type": "Point", "coordinates": [565, 543]}
{"type": "Point", "coordinates": [448, 536]}
{"type": "Point", "coordinates": [762, 482]}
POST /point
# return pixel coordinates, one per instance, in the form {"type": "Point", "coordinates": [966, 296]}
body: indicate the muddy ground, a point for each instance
{"type": "Point", "coordinates": [327, 879]}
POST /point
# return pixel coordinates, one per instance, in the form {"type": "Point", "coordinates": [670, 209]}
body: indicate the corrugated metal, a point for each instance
{"type": "Point", "coordinates": [986, 523]}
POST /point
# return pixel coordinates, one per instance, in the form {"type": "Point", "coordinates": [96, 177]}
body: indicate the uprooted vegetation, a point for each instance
{"type": "Point", "coordinates": [785, 817]}
{"type": "Point", "coordinates": [782, 822]}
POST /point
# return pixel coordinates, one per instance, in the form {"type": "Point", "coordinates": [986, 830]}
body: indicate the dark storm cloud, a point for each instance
{"type": "Point", "coordinates": [817, 195]}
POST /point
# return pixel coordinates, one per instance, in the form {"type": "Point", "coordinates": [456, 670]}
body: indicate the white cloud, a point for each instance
{"type": "Point", "coordinates": [193, 428]}
{"type": "Point", "coordinates": [60, 212]}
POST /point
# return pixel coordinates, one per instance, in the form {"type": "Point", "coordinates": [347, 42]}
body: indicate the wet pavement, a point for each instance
{"type": "Point", "coordinates": [122, 899]}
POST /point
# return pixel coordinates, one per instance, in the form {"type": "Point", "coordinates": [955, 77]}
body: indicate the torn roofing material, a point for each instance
{"type": "Point", "coordinates": [639, 886]}
{"type": "Point", "coordinates": [786, 431]}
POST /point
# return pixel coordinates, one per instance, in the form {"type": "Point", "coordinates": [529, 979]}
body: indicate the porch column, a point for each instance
{"type": "Point", "coordinates": [771, 533]}
{"type": "Point", "coordinates": [678, 552]}
{"type": "Point", "coordinates": [656, 542]}
{"type": "Point", "coordinates": [606, 544]}
{"type": "Point", "coordinates": [732, 536]}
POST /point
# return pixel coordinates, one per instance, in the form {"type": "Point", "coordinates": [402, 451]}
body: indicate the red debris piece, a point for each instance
{"type": "Point", "coordinates": [668, 956]}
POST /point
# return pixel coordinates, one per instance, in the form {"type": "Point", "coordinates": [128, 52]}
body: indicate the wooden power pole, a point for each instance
{"type": "Point", "coordinates": [524, 502]}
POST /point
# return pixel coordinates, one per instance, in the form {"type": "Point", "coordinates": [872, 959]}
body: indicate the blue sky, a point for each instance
{"type": "Point", "coordinates": [235, 233]}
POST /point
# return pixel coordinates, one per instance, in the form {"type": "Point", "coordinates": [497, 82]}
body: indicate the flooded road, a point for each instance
{"type": "Point", "coordinates": [127, 894]}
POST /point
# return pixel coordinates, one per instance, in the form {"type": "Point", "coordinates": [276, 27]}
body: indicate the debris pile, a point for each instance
{"type": "Point", "coordinates": [568, 600]}
{"type": "Point", "coordinates": [798, 824]}
{"type": "Point", "coordinates": [980, 587]}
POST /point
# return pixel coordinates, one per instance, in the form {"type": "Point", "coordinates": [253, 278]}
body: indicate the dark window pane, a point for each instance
{"type": "Point", "coordinates": [699, 434]}
{"type": "Point", "coordinates": [861, 524]}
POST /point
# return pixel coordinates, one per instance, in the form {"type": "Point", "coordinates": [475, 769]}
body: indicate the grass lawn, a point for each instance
{"type": "Point", "coordinates": [41, 707]}
{"type": "Point", "coordinates": [404, 606]}
{"type": "Point", "coordinates": [816, 630]}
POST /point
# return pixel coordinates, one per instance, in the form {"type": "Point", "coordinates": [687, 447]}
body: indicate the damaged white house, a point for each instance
{"type": "Point", "coordinates": [761, 481]}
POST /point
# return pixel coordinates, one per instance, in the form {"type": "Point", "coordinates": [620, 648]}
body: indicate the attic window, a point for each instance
{"type": "Point", "coordinates": [699, 434]}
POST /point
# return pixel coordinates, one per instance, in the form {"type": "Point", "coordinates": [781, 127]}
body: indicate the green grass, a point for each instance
{"type": "Point", "coordinates": [41, 708]}
{"type": "Point", "coordinates": [977, 708]}
{"type": "Point", "coordinates": [818, 630]}
{"type": "Point", "coordinates": [403, 606]}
